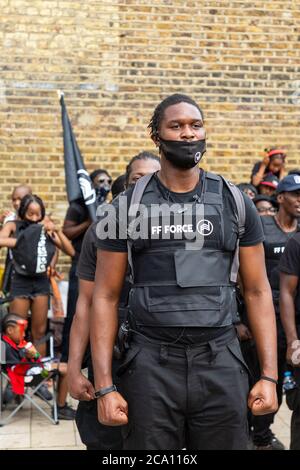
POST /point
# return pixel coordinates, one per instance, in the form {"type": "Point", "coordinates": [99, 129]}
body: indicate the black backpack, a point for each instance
{"type": "Point", "coordinates": [34, 250]}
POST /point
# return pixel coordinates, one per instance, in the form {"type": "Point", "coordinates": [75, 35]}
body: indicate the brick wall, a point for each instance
{"type": "Point", "coordinates": [115, 60]}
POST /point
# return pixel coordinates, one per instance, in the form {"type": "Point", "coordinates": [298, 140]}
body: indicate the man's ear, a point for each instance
{"type": "Point", "coordinates": [155, 139]}
{"type": "Point", "coordinates": [280, 198]}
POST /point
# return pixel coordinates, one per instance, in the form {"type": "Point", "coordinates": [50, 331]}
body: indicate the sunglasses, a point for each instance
{"type": "Point", "coordinates": [103, 180]}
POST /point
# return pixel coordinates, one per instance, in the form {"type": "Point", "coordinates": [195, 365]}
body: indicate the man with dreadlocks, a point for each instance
{"type": "Point", "coordinates": [184, 382]}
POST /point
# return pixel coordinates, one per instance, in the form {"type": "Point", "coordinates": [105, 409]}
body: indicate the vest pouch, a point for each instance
{"type": "Point", "coordinates": [183, 300]}
{"type": "Point", "coordinates": [175, 306]}
{"type": "Point", "coordinates": [196, 268]}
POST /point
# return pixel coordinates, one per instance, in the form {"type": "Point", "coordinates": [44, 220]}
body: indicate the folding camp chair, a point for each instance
{"type": "Point", "coordinates": [32, 387]}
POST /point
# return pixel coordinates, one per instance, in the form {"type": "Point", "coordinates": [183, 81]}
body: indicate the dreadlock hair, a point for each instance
{"type": "Point", "coordinates": [118, 186]}
{"type": "Point", "coordinates": [158, 114]}
{"type": "Point", "coordinates": [140, 156]}
{"type": "Point", "coordinates": [26, 201]}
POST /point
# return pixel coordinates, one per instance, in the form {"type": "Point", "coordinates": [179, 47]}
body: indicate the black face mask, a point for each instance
{"type": "Point", "coordinates": [101, 194]}
{"type": "Point", "coordinates": [27, 222]}
{"type": "Point", "coordinates": [183, 154]}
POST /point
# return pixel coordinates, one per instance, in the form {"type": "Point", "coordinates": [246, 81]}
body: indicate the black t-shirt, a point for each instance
{"type": "Point", "coordinates": [12, 355]}
{"type": "Point", "coordinates": [290, 264]}
{"type": "Point", "coordinates": [78, 213]}
{"type": "Point", "coordinates": [87, 262]}
{"type": "Point", "coordinates": [86, 267]}
{"type": "Point", "coordinates": [253, 235]}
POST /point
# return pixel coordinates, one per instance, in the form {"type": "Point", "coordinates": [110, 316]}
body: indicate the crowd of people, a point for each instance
{"type": "Point", "coordinates": [185, 345]}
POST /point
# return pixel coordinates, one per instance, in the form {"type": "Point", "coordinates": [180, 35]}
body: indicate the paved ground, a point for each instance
{"type": "Point", "coordinates": [30, 430]}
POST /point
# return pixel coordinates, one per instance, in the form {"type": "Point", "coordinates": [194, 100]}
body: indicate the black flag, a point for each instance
{"type": "Point", "coordinates": [78, 182]}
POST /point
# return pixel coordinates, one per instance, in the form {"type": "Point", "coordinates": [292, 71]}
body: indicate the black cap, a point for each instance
{"type": "Point", "coordinates": [289, 183]}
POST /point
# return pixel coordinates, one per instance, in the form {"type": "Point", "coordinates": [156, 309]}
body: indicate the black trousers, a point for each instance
{"type": "Point", "coordinates": [185, 396]}
{"type": "Point", "coordinates": [93, 434]}
{"type": "Point", "coordinates": [71, 308]}
{"type": "Point", "coordinates": [262, 433]}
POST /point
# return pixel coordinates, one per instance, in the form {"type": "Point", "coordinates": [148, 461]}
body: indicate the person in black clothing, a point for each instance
{"type": "Point", "coordinates": [278, 230]}
{"type": "Point", "coordinates": [102, 183]}
{"type": "Point", "coordinates": [289, 268]}
{"type": "Point", "coordinates": [75, 225]}
{"type": "Point", "coordinates": [273, 163]}
{"type": "Point", "coordinates": [94, 434]}
{"type": "Point", "coordinates": [30, 291]}
{"type": "Point", "coordinates": [7, 216]}
{"type": "Point", "coordinates": [183, 379]}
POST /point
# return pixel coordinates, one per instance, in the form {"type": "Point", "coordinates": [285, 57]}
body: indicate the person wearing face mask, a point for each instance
{"type": "Point", "coordinates": [102, 183]}
{"type": "Point", "coordinates": [183, 380]}
{"type": "Point", "coordinates": [33, 240]}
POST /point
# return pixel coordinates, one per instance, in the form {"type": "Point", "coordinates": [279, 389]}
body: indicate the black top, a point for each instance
{"type": "Point", "coordinates": [256, 167]}
{"type": "Point", "coordinates": [253, 235]}
{"type": "Point", "coordinates": [86, 267]}
{"type": "Point", "coordinates": [87, 262]}
{"type": "Point", "coordinates": [12, 355]}
{"type": "Point", "coordinates": [78, 213]}
{"type": "Point", "coordinates": [290, 264]}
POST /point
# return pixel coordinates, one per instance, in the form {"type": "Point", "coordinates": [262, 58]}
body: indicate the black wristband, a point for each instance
{"type": "Point", "coordinates": [104, 391]}
{"type": "Point", "coordinates": [264, 377]}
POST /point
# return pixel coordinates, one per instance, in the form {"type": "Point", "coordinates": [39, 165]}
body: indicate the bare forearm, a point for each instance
{"type": "Point", "coordinates": [66, 245]}
{"type": "Point", "coordinates": [8, 242]}
{"type": "Point", "coordinates": [262, 321]}
{"type": "Point", "coordinates": [287, 315]}
{"type": "Point", "coordinates": [79, 337]}
{"type": "Point", "coordinates": [104, 324]}
{"type": "Point", "coordinates": [75, 231]}
{"type": "Point", "coordinates": [257, 178]}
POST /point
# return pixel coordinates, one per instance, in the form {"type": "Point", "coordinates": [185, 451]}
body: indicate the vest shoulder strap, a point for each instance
{"type": "Point", "coordinates": [241, 216]}
{"type": "Point", "coordinates": [212, 176]}
{"type": "Point", "coordinates": [240, 205]}
{"type": "Point", "coordinates": [137, 194]}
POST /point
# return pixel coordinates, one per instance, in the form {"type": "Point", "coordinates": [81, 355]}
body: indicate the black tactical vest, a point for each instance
{"type": "Point", "coordinates": [176, 283]}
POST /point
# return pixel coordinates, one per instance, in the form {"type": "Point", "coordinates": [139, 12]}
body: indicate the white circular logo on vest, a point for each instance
{"type": "Point", "coordinates": [205, 227]}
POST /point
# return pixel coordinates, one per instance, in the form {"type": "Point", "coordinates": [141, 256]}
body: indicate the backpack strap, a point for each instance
{"type": "Point", "coordinates": [137, 194]}
{"type": "Point", "coordinates": [241, 217]}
